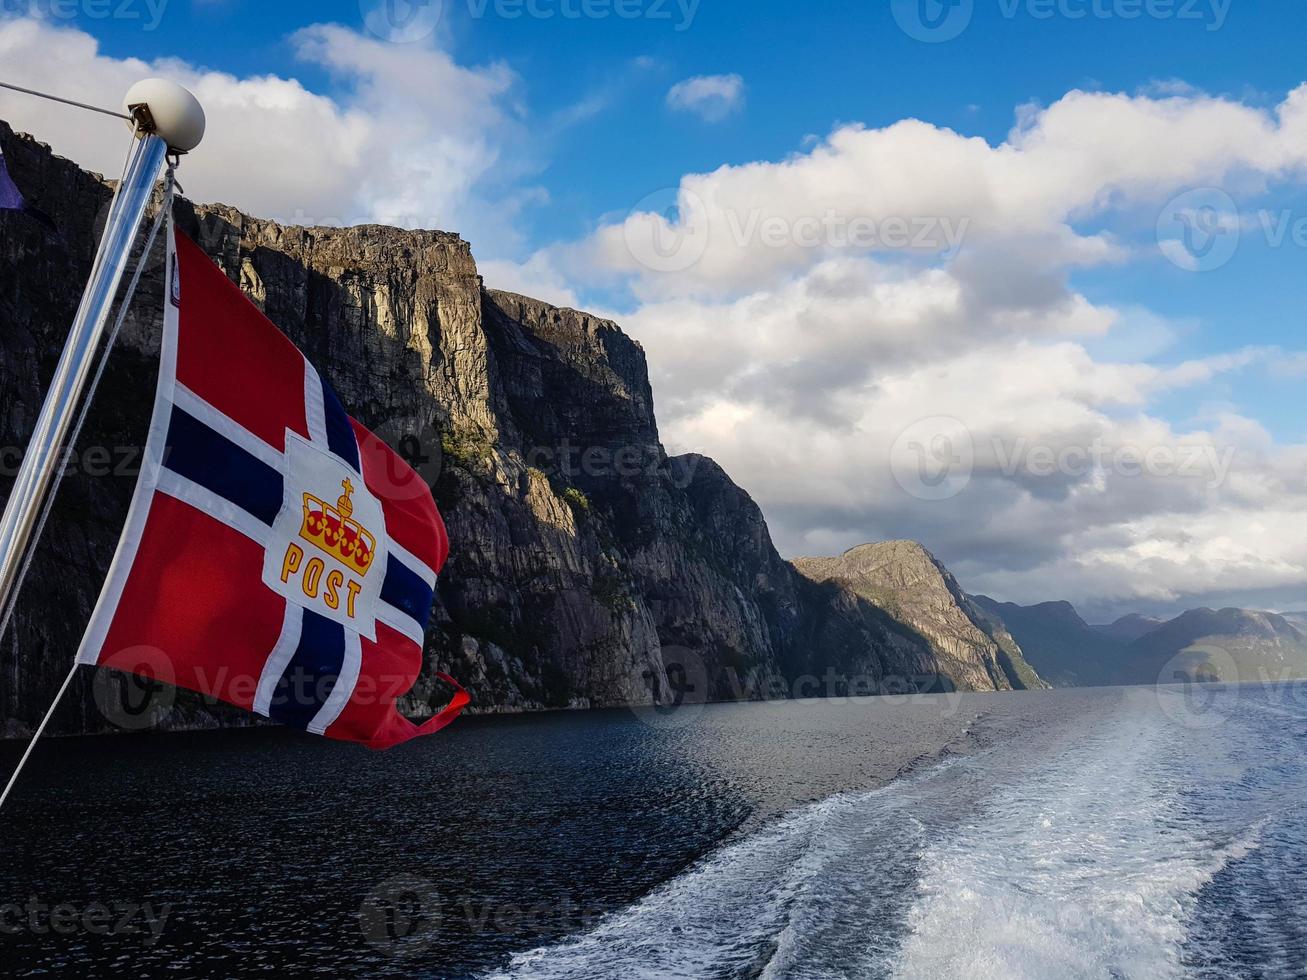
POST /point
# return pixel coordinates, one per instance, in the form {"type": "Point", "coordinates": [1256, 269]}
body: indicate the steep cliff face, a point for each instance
{"type": "Point", "coordinates": [902, 581]}
{"type": "Point", "coordinates": [585, 560]}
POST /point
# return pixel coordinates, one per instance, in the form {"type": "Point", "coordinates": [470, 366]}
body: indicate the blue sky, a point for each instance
{"type": "Point", "coordinates": [806, 73]}
{"type": "Point", "coordinates": [541, 138]}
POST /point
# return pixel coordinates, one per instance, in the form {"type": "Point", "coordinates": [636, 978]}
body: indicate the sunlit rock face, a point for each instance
{"type": "Point", "coordinates": [903, 588]}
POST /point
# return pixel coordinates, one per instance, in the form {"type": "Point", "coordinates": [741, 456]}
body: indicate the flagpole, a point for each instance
{"type": "Point", "coordinates": [42, 458]}
{"type": "Point", "coordinates": [166, 117]}
{"type": "Point", "coordinates": [162, 219]}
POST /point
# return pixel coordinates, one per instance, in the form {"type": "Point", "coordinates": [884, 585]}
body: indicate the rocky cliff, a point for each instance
{"type": "Point", "coordinates": [589, 568]}
{"type": "Point", "coordinates": [902, 583]}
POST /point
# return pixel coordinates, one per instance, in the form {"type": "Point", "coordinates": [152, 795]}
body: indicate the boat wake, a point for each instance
{"type": "Point", "coordinates": [1100, 851]}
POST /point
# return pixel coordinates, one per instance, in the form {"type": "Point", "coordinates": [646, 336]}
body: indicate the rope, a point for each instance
{"type": "Point", "coordinates": [56, 98]}
{"type": "Point", "coordinates": [39, 729]}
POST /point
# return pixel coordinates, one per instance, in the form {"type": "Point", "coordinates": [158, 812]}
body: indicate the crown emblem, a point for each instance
{"type": "Point", "coordinates": [332, 530]}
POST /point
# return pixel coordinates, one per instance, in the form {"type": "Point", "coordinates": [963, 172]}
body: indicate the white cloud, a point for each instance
{"type": "Point", "coordinates": [799, 354]}
{"type": "Point", "coordinates": [393, 147]}
{"type": "Point", "coordinates": [1069, 485]}
{"type": "Point", "coordinates": [710, 97]}
{"type": "Point", "coordinates": [534, 278]}
{"type": "Point", "coordinates": [1087, 155]}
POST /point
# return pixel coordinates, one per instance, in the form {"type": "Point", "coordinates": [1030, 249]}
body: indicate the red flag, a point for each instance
{"type": "Point", "coordinates": [277, 555]}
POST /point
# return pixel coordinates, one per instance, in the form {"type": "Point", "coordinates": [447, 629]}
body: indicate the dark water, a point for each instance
{"type": "Point", "coordinates": [1095, 834]}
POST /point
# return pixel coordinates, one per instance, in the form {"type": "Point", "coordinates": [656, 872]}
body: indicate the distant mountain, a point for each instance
{"type": "Point", "coordinates": [1218, 645]}
{"type": "Point", "coordinates": [1199, 645]}
{"type": "Point", "coordinates": [1062, 647]}
{"type": "Point", "coordinates": [1129, 628]}
{"type": "Point", "coordinates": [902, 586]}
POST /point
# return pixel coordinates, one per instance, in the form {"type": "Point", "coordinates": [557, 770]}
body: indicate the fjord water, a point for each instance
{"type": "Point", "coordinates": [1163, 837]}
{"type": "Point", "coordinates": [1114, 833]}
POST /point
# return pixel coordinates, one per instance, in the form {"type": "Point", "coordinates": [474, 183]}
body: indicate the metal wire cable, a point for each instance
{"type": "Point", "coordinates": [57, 98]}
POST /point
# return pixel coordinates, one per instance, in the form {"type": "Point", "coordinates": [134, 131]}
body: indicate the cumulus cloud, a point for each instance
{"type": "Point", "coordinates": [393, 147]}
{"type": "Point", "coordinates": [535, 278]}
{"type": "Point", "coordinates": [913, 187]}
{"type": "Point", "coordinates": [710, 97]}
{"type": "Point", "coordinates": [841, 327]}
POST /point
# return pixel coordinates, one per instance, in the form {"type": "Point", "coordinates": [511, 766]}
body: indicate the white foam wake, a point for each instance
{"type": "Point", "coordinates": [1083, 855]}
{"type": "Point", "coordinates": [1089, 867]}
{"type": "Point", "coordinates": [757, 904]}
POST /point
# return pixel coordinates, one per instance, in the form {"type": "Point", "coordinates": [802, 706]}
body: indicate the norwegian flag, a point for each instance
{"type": "Point", "coordinates": [277, 555]}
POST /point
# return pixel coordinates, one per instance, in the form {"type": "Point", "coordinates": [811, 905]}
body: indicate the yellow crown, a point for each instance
{"type": "Point", "coordinates": [331, 529]}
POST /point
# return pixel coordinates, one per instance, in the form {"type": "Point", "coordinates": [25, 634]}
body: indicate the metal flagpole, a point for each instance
{"type": "Point", "coordinates": [43, 457]}
{"type": "Point", "coordinates": [167, 118]}
{"type": "Point", "coordinates": [160, 221]}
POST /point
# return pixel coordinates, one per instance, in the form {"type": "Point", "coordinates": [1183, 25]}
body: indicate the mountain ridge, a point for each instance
{"type": "Point", "coordinates": [1200, 644]}
{"type": "Point", "coordinates": [1227, 644]}
{"type": "Point", "coordinates": [1129, 627]}
{"type": "Point", "coordinates": [911, 585]}
{"type": "Point", "coordinates": [1062, 647]}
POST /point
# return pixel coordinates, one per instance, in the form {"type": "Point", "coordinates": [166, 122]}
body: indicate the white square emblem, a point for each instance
{"type": "Point", "coordinates": [327, 550]}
